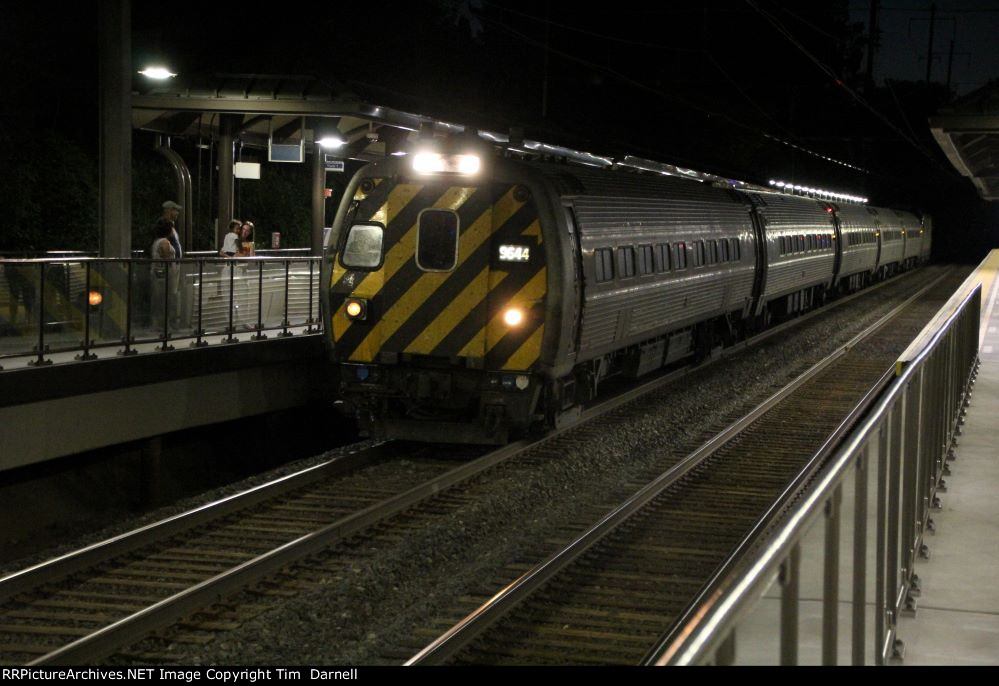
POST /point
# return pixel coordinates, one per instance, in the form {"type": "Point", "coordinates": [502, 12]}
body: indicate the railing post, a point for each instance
{"type": "Point", "coordinates": [128, 313]}
{"type": "Point", "coordinates": [789, 573]}
{"type": "Point", "coordinates": [232, 304]}
{"type": "Point", "coordinates": [287, 271]}
{"type": "Point", "coordinates": [86, 354]}
{"type": "Point", "coordinates": [165, 345]}
{"type": "Point", "coordinates": [725, 657]}
{"type": "Point", "coordinates": [41, 361]}
{"type": "Point", "coordinates": [860, 556]}
{"type": "Point", "coordinates": [200, 331]}
{"type": "Point", "coordinates": [260, 335]}
{"type": "Point", "coordinates": [312, 321]}
{"type": "Point", "coordinates": [830, 581]}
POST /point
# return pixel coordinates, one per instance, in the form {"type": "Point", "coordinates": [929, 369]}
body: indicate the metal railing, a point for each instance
{"type": "Point", "coordinates": [50, 306]}
{"type": "Point", "coordinates": [881, 484]}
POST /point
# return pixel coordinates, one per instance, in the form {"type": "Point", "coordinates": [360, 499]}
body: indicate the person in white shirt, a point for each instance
{"type": "Point", "coordinates": [230, 244]}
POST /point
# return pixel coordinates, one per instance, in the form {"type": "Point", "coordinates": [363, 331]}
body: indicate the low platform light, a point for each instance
{"type": "Point", "coordinates": [95, 298]}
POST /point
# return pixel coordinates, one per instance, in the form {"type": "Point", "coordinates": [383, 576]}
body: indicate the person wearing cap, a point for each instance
{"type": "Point", "coordinates": [171, 211]}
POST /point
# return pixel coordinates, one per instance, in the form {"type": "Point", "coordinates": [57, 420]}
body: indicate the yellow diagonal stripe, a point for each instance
{"type": "Point", "coordinates": [427, 284]}
{"type": "Point", "coordinates": [492, 332]}
{"type": "Point", "coordinates": [527, 354]}
{"type": "Point", "coordinates": [452, 315]}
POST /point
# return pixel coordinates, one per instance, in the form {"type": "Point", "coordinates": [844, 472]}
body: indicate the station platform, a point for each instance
{"type": "Point", "coordinates": [957, 616]}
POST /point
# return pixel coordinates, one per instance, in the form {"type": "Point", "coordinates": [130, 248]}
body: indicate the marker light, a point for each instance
{"type": "Point", "coordinates": [95, 298]}
{"type": "Point", "coordinates": [330, 142]}
{"type": "Point", "coordinates": [513, 317]}
{"type": "Point", "coordinates": [158, 73]}
{"type": "Point", "coordinates": [356, 309]}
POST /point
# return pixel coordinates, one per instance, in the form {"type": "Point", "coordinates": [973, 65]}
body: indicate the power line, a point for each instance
{"type": "Point", "coordinates": [828, 71]}
{"type": "Point", "coordinates": [673, 97]}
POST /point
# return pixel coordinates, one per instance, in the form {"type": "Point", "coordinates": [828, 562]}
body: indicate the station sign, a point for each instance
{"type": "Point", "coordinates": [333, 164]}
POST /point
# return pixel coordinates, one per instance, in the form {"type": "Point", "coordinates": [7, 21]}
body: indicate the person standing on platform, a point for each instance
{"type": "Point", "coordinates": [163, 278]}
{"type": "Point", "coordinates": [230, 244]}
{"type": "Point", "coordinates": [171, 211]}
{"type": "Point", "coordinates": [246, 245]}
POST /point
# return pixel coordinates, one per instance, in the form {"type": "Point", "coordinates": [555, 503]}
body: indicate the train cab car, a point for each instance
{"type": "Point", "coordinates": [857, 247]}
{"type": "Point", "coordinates": [437, 298]}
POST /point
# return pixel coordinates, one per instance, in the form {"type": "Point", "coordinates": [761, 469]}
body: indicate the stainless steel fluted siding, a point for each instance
{"type": "Point", "coordinates": [863, 257]}
{"type": "Point", "coordinates": [913, 239]}
{"type": "Point", "coordinates": [891, 250]}
{"type": "Point", "coordinates": [627, 311]}
{"type": "Point", "coordinates": [790, 216]}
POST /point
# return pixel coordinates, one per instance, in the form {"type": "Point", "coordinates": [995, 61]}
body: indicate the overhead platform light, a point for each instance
{"type": "Point", "coordinates": [157, 73]}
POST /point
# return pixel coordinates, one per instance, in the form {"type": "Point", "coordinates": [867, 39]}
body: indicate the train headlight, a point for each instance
{"type": "Point", "coordinates": [514, 316]}
{"type": "Point", "coordinates": [435, 163]}
{"type": "Point", "coordinates": [356, 309]}
{"type": "Point", "coordinates": [95, 298]}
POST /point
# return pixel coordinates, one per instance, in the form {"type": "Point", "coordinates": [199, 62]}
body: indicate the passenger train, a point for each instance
{"type": "Point", "coordinates": [469, 297]}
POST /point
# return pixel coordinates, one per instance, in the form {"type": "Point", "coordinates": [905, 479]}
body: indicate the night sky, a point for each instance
{"type": "Point", "coordinates": [748, 89]}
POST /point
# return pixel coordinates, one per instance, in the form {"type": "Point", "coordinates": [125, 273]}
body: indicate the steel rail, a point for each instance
{"type": "Point", "coordinates": [77, 560]}
{"type": "Point", "coordinates": [461, 634]}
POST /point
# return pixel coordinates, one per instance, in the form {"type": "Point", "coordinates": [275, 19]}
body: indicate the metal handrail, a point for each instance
{"type": "Point", "coordinates": [139, 301]}
{"type": "Point", "coordinates": [708, 630]}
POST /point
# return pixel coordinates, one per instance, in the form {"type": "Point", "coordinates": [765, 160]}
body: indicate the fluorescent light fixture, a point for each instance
{"type": "Point", "coordinates": [157, 73]}
{"type": "Point", "coordinates": [329, 142]}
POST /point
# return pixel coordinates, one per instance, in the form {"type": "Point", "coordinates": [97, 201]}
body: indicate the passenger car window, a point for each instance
{"type": "Point", "coordinates": [663, 255]}
{"type": "Point", "coordinates": [736, 250]}
{"type": "Point", "coordinates": [645, 260]}
{"type": "Point", "coordinates": [363, 248]}
{"type": "Point", "coordinates": [437, 240]}
{"type": "Point", "coordinates": [603, 263]}
{"type": "Point", "coordinates": [681, 256]}
{"type": "Point", "coordinates": [625, 262]}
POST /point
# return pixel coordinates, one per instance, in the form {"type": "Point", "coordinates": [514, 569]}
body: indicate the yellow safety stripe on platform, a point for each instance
{"type": "Point", "coordinates": [453, 314]}
{"type": "Point", "coordinates": [496, 328]}
{"type": "Point", "coordinates": [429, 282]}
{"type": "Point", "coordinates": [527, 354]}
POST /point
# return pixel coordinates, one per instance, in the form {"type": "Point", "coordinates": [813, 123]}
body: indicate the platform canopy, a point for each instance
{"type": "Point", "coordinates": [968, 133]}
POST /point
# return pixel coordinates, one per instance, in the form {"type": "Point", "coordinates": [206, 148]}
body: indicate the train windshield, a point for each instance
{"type": "Point", "coordinates": [363, 249]}
{"type": "Point", "coordinates": [437, 240]}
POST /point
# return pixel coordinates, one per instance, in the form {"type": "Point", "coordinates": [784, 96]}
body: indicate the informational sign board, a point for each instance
{"type": "Point", "coordinates": [333, 164]}
{"type": "Point", "coordinates": [275, 240]}
{"type": "Point", "coordinates": [246, 170]}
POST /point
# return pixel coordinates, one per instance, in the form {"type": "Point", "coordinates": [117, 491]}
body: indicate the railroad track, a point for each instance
{"type": "Point", "coordinates": [88, 605]}
{"type": "Point", "coordinates": [82, 606]}
{"type": "Point", "coordinates": [614, 591]}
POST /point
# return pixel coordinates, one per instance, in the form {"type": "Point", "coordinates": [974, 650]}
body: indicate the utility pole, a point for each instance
{"type": "Point", "coordinates": [544, 84]}
{"type": "Point", "coordinates": [872, 40]}
{"type": "Point", "coordinates": [929, 49]}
